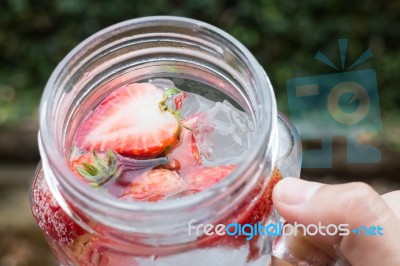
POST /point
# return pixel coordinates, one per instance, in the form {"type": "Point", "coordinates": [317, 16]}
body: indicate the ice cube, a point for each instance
{"type": "Point", "coordinates": [223, 134]}
{"type": "Point", "coordinates": [194, 103]}
{"type": "Point", "coordinates": [165, 84]}
{"type": "Point", "coordinates": [162, 84]}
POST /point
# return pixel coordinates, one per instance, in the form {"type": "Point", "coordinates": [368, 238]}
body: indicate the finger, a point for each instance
{"type": "Point", "coordinates": [355, 204]}
{"type": "Point", "coordinates": [392, 199]}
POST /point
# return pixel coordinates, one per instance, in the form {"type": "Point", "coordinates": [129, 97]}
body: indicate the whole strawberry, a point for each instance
{"type": "Point", "coordinates": [155, 185]}
{"type": "Point", "coordinates": [204, 177]}
{"type": "Point", "coordinates": [95, 168]}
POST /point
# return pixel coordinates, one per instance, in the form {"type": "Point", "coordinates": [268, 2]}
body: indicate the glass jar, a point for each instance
{"type": "Point", "coordinates": [86, 227]}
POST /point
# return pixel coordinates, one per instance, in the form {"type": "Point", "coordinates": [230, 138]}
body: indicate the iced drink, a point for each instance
{"type": "Point", "coordinates": [152, 141]}
{"type": "Point", "coordinates": [150, 129]}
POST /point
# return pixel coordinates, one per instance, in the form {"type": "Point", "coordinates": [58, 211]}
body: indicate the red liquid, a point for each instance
{"type": "Point", "coordinates": [71, 244]}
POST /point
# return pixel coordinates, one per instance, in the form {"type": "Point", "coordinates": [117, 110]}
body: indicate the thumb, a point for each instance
{"type": "Point", "coordinates": [354, 204]}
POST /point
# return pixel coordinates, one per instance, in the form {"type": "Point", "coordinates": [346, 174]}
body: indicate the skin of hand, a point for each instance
{"type": "Point", "coordinates": [355, 204]}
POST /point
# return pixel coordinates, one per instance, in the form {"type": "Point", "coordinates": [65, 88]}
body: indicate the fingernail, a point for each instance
{"type": "Point", "coordinates": [293, 191]}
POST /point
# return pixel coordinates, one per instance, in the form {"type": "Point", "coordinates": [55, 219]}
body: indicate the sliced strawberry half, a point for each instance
{"type": "Point", "coordinates": [154, 185]}
{"type": "Point", "coordinates": [50, 217]}
{"type": "Point", "coordinates": [131, 122]}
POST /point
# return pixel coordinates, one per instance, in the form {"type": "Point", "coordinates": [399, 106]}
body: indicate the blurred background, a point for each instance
{"type": "Point", "coordinates": [283, 35]}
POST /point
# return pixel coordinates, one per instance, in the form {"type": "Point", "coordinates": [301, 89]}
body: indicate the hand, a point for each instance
{"type": "Point", "coordinates": [355, 204]}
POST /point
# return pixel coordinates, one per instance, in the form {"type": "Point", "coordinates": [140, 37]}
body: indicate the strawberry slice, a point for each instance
{"type": "Point", "coordinates": [131, 121]}
{"type": "Point", "coordinates": [154, 185]}
{"type": "Point", "coordinates": [203, 178]}
{"type": "Point", "coordinates": [51, 218]}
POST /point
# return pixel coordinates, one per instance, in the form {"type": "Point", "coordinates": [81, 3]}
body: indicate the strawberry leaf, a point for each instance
{"type": "Point", "coordinates": [171, 91]}
{"type": "Point", "coordinates": [101, 169]}
{"type": "Point", "coordinates": [90, 169]}
{"type": "Point", "coordinates": [112, 159]}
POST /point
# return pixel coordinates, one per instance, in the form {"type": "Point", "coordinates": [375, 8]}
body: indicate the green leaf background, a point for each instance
{"type": "Point", "coordinates": [283, 35]}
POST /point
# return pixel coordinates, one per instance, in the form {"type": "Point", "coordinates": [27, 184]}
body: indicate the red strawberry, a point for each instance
{"type": "Point", "coordinates": [83, 251]}
{"type": "Point", "coordinates": [178, 100]}
{"type": "Point", "coordinates": [90, 250]}
{"type": "Point", "coordinates": [154, 185]}
{"type": "Point", "coordinates": [95, 168]}
{"type": "Point", "coordinates": [260, 213]}
{"type": "Point", "coordinates": [203, 178]}
{"type": "Point", "coordinates": [51, 218]}
{"type": "Point", "coordinates": [133, 121]}
{"type": "Point", "coordinates": [263, 207]}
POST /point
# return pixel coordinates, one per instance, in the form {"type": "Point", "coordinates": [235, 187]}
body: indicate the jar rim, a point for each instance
{"type": "Point", "coordinates": [52, 154]}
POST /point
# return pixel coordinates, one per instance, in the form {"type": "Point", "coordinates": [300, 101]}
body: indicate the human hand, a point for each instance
{"type": "Point", "coordinates": [355, 204]}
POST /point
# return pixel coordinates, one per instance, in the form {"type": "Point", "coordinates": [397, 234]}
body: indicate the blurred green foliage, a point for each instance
{"type": "Point", "coordinates": [284, 36]}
